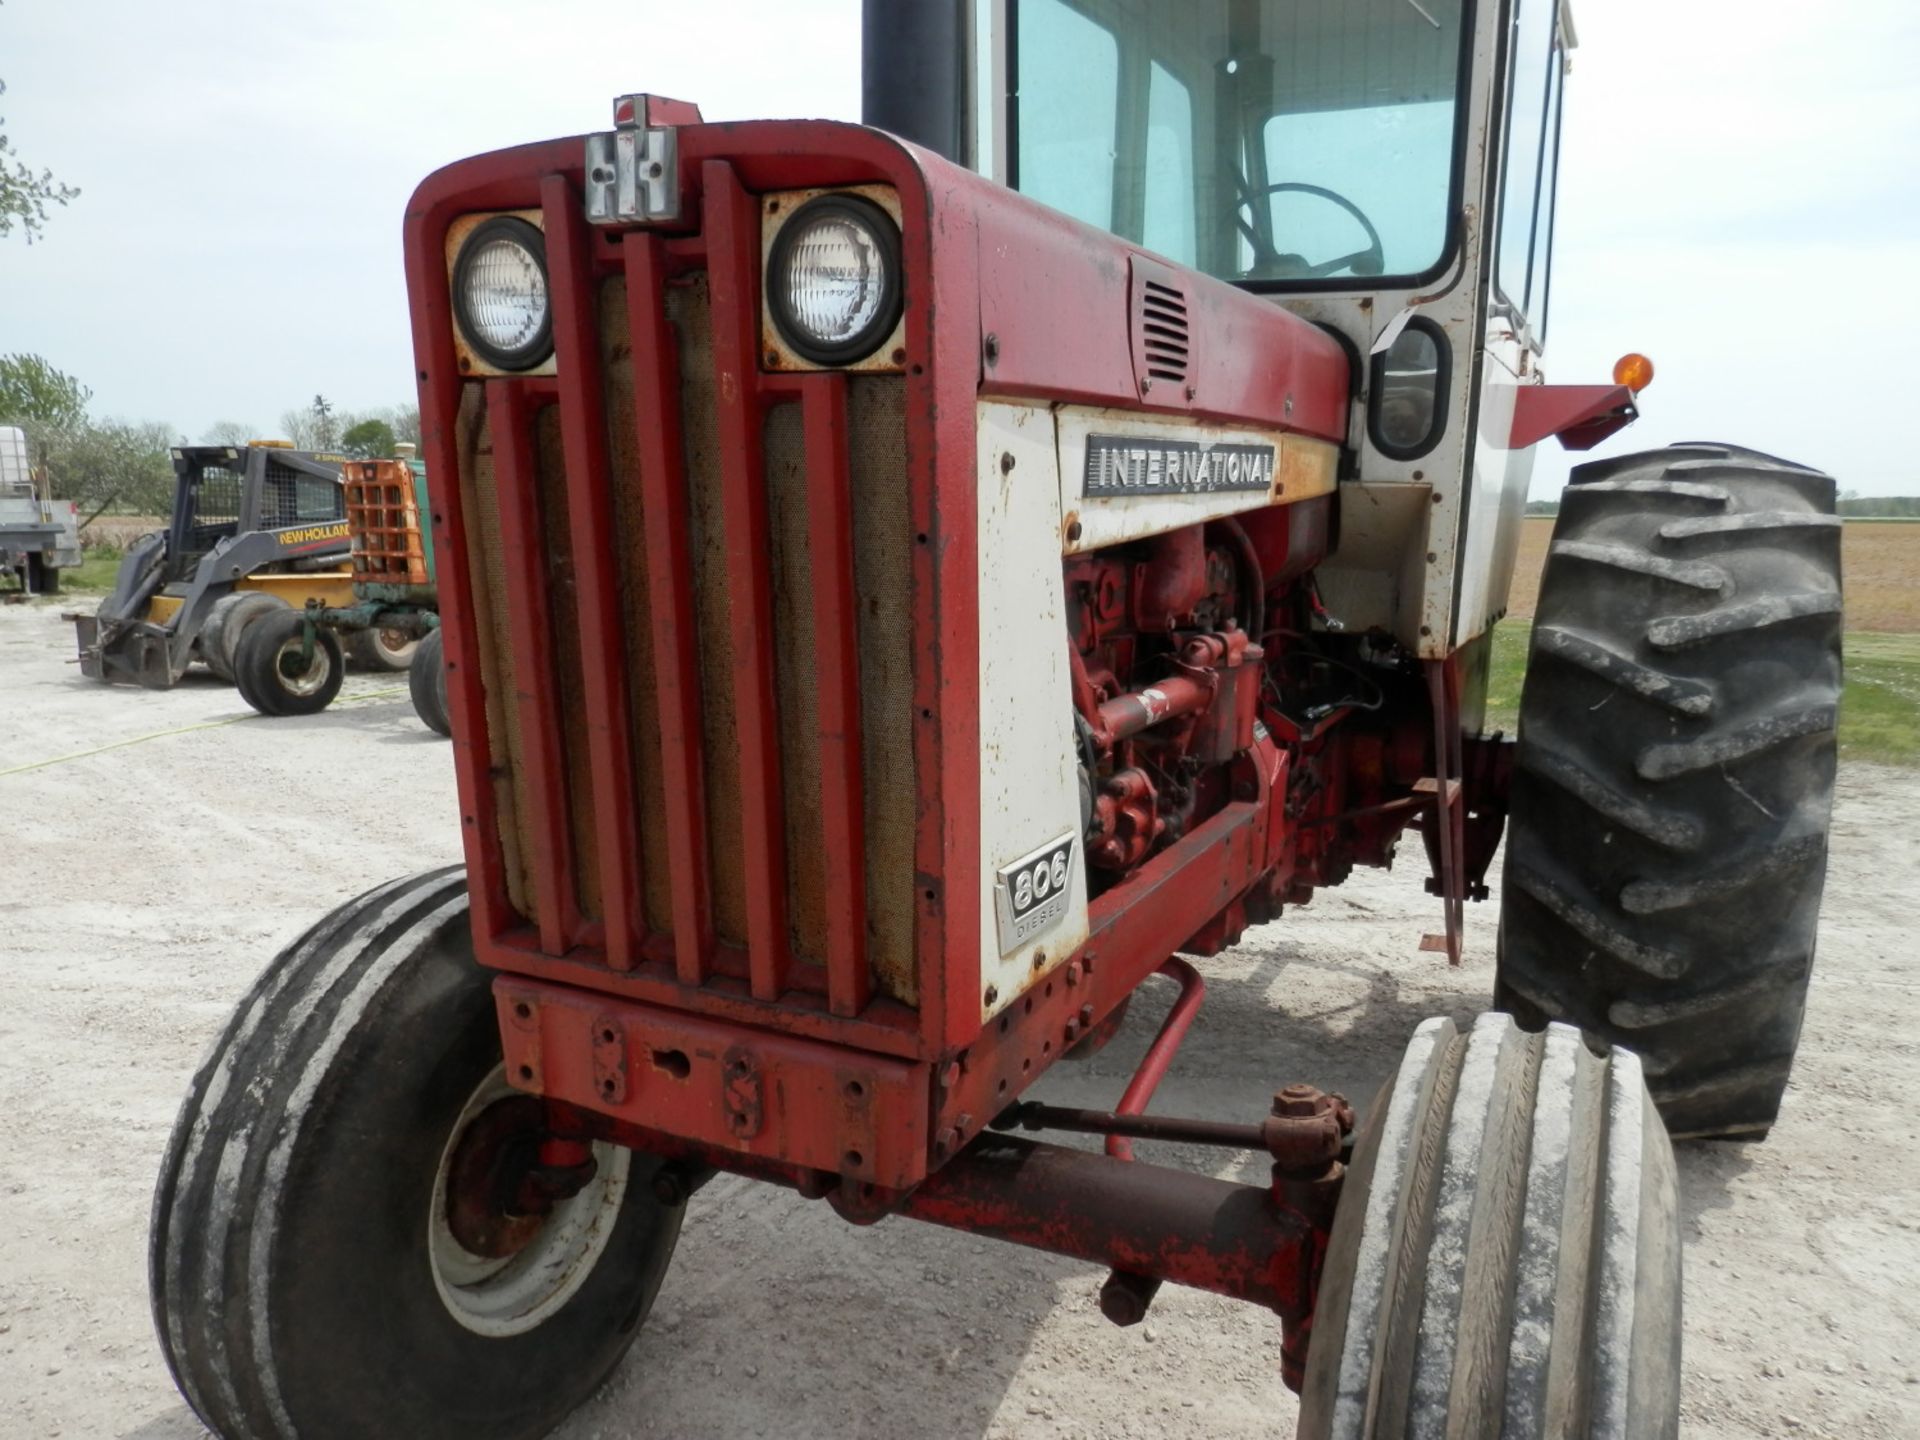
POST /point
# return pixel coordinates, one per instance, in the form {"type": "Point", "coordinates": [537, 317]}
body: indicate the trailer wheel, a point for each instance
{"type": "Point", "coordinates": [314, 1262]}
{"type": "Point", "coordinates": [227, 624]}
{"type": "Point", "coordinates": [427, 682]}
{"type": "Point", "coordinates": [1505, 1258]}
{"type": "Point", "coordinates": [382, 648]}
{"type": "Point", "coordinates": [276, 673]}
{"type": "Point", "coordinates": [1674, 778]}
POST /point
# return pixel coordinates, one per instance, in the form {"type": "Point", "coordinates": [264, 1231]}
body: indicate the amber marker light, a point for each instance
{"type": "Point", "coordinates": [1634, 371]}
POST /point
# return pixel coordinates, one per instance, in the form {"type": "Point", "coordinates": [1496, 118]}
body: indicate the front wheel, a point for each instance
{"type": "Point", "coordinates": [427, 683]}
{"type": "Point", "coordinates": [382, 648]}
{"type": "Point", "coordinates": [331, 1254]}
{"type": "Point", "coordinates": [278, 672]}
{"type": "Point", "coordinates": [1505, 1259]}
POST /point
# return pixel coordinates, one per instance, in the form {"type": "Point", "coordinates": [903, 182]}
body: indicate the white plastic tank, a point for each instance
{"type": "Point", "coordinates": [14, 478]}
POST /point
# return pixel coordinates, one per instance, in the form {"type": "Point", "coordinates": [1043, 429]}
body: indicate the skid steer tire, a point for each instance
{"type": "Point", "coordinates": [273, 677]}
{"type": "Point", "coordinates": [427, 683]}
{"type": "Point", "coordinates": [227, 624]}
{"type": "Point", "coordinates": [296, 1257]}
{"type": "Point", "coordinates": [382, 651]}
{"type": "Point", "coordinates": [1673, 788]}
{"type": "Point", "coordinates": [1505, 1258]}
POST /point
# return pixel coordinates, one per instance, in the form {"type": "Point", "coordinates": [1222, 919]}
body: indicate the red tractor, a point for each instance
{"type": "Point", "coordinates": [900, 595]}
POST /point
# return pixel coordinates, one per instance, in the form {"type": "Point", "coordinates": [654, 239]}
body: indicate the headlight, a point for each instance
{"type": "Point", "coordinates": [500, 293]}
{"type": "Point", "coordinates": [833, 279]}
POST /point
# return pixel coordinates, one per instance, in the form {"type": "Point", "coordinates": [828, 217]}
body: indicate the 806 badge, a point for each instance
{"type": "Point", "coordinates": [1030, 895]}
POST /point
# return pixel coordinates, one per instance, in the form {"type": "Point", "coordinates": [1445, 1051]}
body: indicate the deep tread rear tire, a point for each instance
{"type": "Point", "coordinates": [1505, 1259]}
{"type": "Point", "coordinates": [427, 683]}
{"type": "Point", "coordinates": [291, 1282]}
{"type": "Point", "coordinates": [1668, 830]}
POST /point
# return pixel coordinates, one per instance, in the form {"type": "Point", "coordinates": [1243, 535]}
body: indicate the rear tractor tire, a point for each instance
{"type": "Point", "coordinates": [278, 675]}
{"type": "Point", "coordinates": [227, 625]}
{"type": "Point", "coordinates": [1505, 1258]}
{"type": "Point", "coordinates": [42, 577]}
{"type": "Point", "coordinates": [330, 1255]}
{"type": "Point", "coordinates": [1674, 779]}
{"type": "Point", "coordinates": [427, 683]}
{"type": "Point", "coordinates": [382, 649]}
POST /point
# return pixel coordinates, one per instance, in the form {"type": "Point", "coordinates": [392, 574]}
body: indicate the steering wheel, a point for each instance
{"type": "Point", "coordinates": [1370, 261]}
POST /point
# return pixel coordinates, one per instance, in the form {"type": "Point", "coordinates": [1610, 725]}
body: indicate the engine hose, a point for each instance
{"type": "Point", "coordinates": [1252, 582]}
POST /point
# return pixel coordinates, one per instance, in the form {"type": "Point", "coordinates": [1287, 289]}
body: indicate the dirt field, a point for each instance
{"type": "Point", "coordinates": [1881, 561]}
{"type": "Point", "coordinates": [145, 885]}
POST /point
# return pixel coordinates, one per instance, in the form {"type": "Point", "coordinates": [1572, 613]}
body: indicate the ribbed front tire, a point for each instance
{"type": "Point", "coordinates": [305, 1274]}
{"type": "Point", "coordinates": [1505, 1259]}
{"type": "Point", "coordinates": [1678, 738]}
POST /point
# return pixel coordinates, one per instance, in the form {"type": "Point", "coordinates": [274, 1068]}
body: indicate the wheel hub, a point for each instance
{"type": "Point", "coordinates": [511, 1236]}
{"type": "Point", "coordinates": [498, 1191]}
{"type": "Point", "coordinates": [304, 676]}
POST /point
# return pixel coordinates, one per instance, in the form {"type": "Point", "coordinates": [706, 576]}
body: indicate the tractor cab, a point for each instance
{"type": "Point", "coordinates": [1383, 168]}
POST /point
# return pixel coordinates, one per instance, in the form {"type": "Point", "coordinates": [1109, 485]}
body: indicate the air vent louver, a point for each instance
{"type": "Point", "coordinates": [1164, 344]}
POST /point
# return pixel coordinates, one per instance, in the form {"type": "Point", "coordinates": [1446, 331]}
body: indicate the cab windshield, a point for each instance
{"type": "Point", "coordinates": [1284, 144]}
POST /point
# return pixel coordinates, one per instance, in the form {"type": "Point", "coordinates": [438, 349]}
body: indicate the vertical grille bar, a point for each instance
{"type": "Point", "coordinates": [583, 434]}
{"type": "Point", "coordinates": [663, 484]}
{"type": "Point", "coordinates": [731, 223]}
{"type": "Point", "coordinates": [836, 645]}
{"type": "Point", "coordinates": [529, 624]}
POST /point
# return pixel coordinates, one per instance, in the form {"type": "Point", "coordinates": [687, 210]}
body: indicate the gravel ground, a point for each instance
{"type": "Point", "coordinates": [144, 885]}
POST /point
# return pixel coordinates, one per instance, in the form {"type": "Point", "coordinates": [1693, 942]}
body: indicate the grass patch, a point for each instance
{"type": "Point", "coordinates": [1508, 669]}
{"type": "Point", "coordinates": [1879, 708]}
{"type": "Point", "coordinates": [94, 572]}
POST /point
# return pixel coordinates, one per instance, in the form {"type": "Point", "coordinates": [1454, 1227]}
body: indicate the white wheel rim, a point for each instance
{"type": "Point", "coordinates": [502, 1297]}
{"type": "Point", "coordinates": [396, 645]}
{"type": "Point", "coordinates": [310, 680]}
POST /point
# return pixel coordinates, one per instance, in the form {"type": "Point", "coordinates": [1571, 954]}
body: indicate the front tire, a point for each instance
{"type": "Point", "coordinates": [1674, 778]}
{"type": "Point", "coordinates": [298, 1267]}
{"type": "Point", "coordinates": [278, 675]}
{"type": "Point", "coordinates": [1505, 1258]}
{"type": "Point", "coordinates": [382, 650]}
{"type": "Point", "coordinates": [227, 625]}
{"type": "Point", "coordinates": [427, 683]}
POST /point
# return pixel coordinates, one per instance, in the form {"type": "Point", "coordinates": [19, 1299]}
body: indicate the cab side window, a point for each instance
{"type": "Point", "coordinates": [1531, 153]}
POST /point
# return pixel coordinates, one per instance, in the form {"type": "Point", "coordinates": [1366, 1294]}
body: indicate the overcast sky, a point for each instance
{"type": "Point", "coordinates": [1729, 171]}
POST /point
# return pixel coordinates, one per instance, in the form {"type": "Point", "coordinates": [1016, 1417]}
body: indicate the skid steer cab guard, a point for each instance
{"type": "Point", "coordinates": [902, 596]}
{"type": "Point", "coordinates": [263, 521]}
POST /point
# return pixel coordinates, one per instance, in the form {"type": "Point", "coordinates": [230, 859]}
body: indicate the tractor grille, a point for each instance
{"type": "Point", "coordinates": [629, 692]}
{"type": "Point", "coordinates": [383, 516]}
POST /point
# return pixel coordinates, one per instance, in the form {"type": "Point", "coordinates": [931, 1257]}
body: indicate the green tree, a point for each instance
{"type": "Point", "coordinates": [326, 434]}
{"type": "Point", "coordinates": [231, 432]}
{"type": "Point", "coordinates": [33, 393]}
{"type": "Point", "coordinates": [117, 462]}
{"type": "Point", "coordinates": [24, 196]}
{"type": "Point", "coordinates": [368, 440]}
